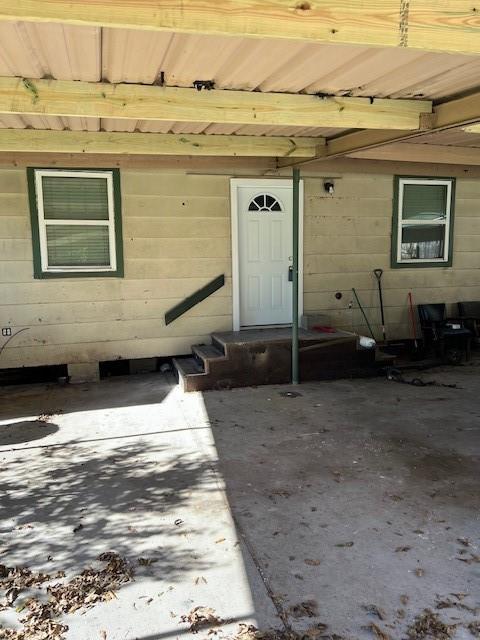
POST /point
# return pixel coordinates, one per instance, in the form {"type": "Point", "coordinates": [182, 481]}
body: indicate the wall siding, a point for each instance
{"type": "Point", "coordinates": [347, 235]}
{"type": "Point", "coordinates": [177, 237]}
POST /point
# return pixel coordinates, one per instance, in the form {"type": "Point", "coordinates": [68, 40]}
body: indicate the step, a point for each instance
{"type": "Point", "coordinates": [205, 354]}
{"type": "Point", "coordinates": [189, 372]}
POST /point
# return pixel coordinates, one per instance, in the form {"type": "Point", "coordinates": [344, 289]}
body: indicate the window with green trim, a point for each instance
{"type": "Point", "coordinates": [423, 222]}
{"type": "Point", "coordinates": [76, 222]}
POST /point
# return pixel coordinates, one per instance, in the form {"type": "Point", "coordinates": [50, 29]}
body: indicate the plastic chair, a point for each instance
{"type": "Point", "coordinates": [470, 314]}
{"type": "Point", "coordinates": [444, 334]}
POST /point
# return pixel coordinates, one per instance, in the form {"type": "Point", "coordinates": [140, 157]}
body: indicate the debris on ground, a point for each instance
{"type": "Point", "coordinates": [312, 562]}
{"type": "Point", "coordinates": [402, 549]}
{"type": "Point", "coordinates": [344, 544]}
{"type": "Point", "coordinates": [377, 631]}
{"type": "Point", "coordinates": [306, 609]}
{"type": "Point", "coordinates": [202, 618]}
{"type": "Point", "coordinates": [429, 625]}
{"type": "Point", "coordinates": [419, 572]}
{"type": "Point", "coordinates": [249, 632]}
{"type": "Point", "coordinates": [447, 603]}
{"type": "Point", "coordinates": [473, 559]}
{"type": "Point", "coordinates": [81, 592]}
{"type": "Point", "coordinates": [290, 394]}
{"type": "Point", "coordinates": [474, 628]}
{"type": "Point", "coordinates": [375, 611]}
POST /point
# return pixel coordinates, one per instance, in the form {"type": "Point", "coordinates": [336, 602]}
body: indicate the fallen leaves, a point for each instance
{"type": "Point", "coordinates": [378, 632]}
{"type": "Point", "coordinates": [429, 625]}
{"type": "Point", "coordinates": [202, 618]}
{"type": "Point", "coordinates": [305, 609]}
{"type": "Point", "coordinates": [376, 611]}
{"type": "Point", "coordinates": [82, 591]}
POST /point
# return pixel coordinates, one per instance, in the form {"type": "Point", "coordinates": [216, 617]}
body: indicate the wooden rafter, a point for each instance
{"type": "Point", "coordinates": [431, 153]}
{"type": "Point", "coordinates": [451, 114]}
{"type": "Point", "coordinates": [30, 140]}
{"type": "Point", "coordinates": [143, 102]}
{"type": "Point", "coordinates": [450, 25]}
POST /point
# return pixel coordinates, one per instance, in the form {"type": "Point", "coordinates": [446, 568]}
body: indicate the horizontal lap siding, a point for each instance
{"type": "Point", "coordinates": [176, 237]}
{"type": "Point", "coordinates": [347, 235]}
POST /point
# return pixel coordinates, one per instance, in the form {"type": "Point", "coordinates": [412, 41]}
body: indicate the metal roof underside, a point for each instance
{"type": "Point", "coordinates": [119, 55]}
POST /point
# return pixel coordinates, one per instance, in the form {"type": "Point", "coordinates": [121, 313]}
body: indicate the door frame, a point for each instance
{"type": "Point", "coordinates": [235, 185]}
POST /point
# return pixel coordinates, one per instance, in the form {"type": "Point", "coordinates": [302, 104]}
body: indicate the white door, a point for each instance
{"type": "Point", "coordinates": [264, 218]}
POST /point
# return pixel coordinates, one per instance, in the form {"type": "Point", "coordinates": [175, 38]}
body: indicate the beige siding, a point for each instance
{"type": "Point", "coordinates": [347, 235]}
{"type": "Point", "coordinates": [177, 237]}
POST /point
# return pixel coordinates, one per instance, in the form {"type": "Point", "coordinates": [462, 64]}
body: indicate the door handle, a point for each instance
{"type": "Point", "coordinates": [290, 274]}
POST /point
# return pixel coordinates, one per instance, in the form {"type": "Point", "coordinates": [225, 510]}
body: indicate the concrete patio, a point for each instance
{"type": "Point", "coordinates": [359, 498]}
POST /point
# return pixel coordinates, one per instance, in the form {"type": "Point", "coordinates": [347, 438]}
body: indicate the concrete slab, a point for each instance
{"type": "Point", "coordinates": [251, 501]}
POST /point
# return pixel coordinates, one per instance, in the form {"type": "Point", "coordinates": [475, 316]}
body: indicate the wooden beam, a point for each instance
{"type": "Point", "coordinates": [416, 152]}
{"type": "Point", "coordinates": [167, 144]}
{"type": "Point", "coordinates": [144, 102]}
{"type": "Point", "coordinates": [449, 25]}
{"type": "Point", "coordinates": [451, 114]}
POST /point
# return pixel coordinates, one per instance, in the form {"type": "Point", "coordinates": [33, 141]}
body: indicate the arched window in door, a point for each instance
{"type": "Point", "coordinates": [265, 202]}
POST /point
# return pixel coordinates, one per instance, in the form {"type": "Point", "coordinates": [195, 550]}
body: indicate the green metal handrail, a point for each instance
{"type": "Point", "coordinates": [189, 302]}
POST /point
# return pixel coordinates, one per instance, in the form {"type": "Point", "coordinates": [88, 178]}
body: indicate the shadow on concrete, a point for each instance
{"type": "Point", "coordinates": [27, 431]}
{"type": "Point", "coordinates": [90, 501]}
{"type": "Point", "coordinates": [38, 399]}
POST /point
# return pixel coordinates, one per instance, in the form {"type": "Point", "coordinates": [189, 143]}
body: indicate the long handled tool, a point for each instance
{"type": "Point", "coordinates": [363, 312]}
{"type": "Point", "coordinates": [412, 320]}
{"type": "Point", "coordinates": [378, 275]}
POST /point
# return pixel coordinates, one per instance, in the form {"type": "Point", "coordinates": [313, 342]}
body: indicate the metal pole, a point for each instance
{"type": "Point", "coordinates": [296, 206]}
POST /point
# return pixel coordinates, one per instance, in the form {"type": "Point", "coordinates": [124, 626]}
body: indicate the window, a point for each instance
{"type": "Point", "coordinates": [76, 222]}
{"type": "Point", "coordinates": [423, 222]}
{"type": "Point", "coordinates": [264, 202]}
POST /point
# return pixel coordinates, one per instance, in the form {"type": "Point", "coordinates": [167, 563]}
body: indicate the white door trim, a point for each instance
{"type": "Point", "coordinates": [235, 184]}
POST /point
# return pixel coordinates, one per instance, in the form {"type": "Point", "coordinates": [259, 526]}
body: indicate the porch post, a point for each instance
{"type": "Point", "coordinates": [296, 206]}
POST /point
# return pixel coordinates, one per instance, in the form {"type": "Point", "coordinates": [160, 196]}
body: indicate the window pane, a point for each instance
{"type": "Point", "coordinates": [76, 246]}
{"type": "Point", "coordinates": [424, 201]}
{"type": "Point", "coordinates": [75, 198]}
{"type": "Point", "coordinates": [423, 241]}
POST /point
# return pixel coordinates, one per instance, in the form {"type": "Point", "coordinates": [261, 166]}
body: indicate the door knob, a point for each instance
{"type": "Point", "coordinates": [290, 274]}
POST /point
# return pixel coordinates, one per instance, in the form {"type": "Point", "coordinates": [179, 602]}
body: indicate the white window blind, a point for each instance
{"type": "Point", "coordinates": [76, 220]}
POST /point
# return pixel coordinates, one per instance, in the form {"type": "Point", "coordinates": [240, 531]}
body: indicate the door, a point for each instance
{"type": "Point", "coordinates": [264, 252]}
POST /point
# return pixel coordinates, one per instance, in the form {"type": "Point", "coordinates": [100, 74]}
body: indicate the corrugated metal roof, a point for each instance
{"type": "Point", "coordinates": [451, 137]}
{"type": "Point", "coordinates": [120, 55]}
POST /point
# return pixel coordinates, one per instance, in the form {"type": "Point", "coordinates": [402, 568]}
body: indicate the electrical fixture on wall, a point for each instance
{"type": "Point", "coordinates": [329, 187]}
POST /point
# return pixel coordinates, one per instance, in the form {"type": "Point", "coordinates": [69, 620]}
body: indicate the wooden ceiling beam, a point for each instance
{"type": "Point", "coordinates": [146, 102]}
{"type": "Point", "coordinates": [417, 152]}
{"type": "Point", "coordinates": [101, 142]}
{"type": "Point", "coordinates": [447, 26]}
{"type": "Point", "coordinates": [450, 114]}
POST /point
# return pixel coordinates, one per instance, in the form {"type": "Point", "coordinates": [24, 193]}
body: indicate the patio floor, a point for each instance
{"type": "Point", "coordinates": [352, 503]}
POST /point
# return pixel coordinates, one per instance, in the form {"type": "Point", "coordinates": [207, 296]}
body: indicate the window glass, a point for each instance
{"type": "Point", "coordinates": [72, 246]}
{"type": "Point", "coordinates": [74, 198]}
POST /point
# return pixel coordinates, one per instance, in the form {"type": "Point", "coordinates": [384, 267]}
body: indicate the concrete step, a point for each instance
{"type": "Point", "coordinates": [206, 354]}
{"type": "Point", "coordinates": [190, 373]}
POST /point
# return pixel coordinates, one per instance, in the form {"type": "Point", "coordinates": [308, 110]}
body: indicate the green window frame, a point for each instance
{"type": "Point", "coordinates": [65, 214]}
{"type": "Point", "coordinates": [423, 217]}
